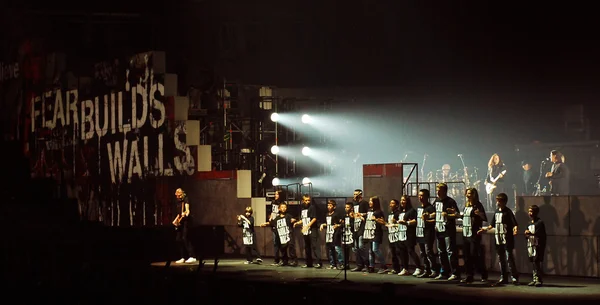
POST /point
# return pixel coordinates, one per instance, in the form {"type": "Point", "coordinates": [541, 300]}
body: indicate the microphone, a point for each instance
{"type": "Point", "coordinates": [460, 155]}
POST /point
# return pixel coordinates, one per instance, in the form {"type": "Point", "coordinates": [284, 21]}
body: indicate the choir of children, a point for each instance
{"type": "Point", "coordinates": [360, 230]}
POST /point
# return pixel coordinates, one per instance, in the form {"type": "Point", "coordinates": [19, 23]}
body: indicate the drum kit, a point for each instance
{"type": "Point", "coordinates": [458, 181]}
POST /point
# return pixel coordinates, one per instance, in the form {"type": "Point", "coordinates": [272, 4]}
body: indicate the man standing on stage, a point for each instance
{"type": "Point", "coordinates": [361, 207]}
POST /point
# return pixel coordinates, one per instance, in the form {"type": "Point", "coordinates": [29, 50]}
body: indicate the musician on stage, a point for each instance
{"type": "Point", "coordinates": [182, 223]}
{"type": "Point", "coordinates": [529, 180]}
{"type": "Point", "coordinates": [494, 180]}
{"type": "Point", "coordinates": [559, 175]}
{"type": "Point", "coordinates": [274, 212]}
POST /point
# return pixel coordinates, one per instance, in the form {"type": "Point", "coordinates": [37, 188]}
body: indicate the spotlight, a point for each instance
{"type": "Point", "coordinates": [274, 117]}
{"type": "Point", "coordinates": [305, 180]}
{"type": "Point", "coordinates": [306, 119]}
{"type": "Point", "coordinates": [306, 150]}
{"type": "Point", "coordinates": [274, 149]}
{"type": "Point", "coordinates": [275, 181]}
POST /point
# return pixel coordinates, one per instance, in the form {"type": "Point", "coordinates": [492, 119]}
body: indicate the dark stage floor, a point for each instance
{"type": "Point", "coordinates": [254, 283]}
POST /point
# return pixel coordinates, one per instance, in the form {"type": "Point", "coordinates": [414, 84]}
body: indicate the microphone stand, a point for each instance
{"type": "Point", "coordinates": [423, 168]}
{"type": "Point", "coordinates": [538, 191]}
{"type": "Point", "coordinates": [466, 178]}
{"type": "Point", "coordinates": [346, 256]}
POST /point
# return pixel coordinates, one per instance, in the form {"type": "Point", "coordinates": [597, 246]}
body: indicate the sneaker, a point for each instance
{"type": "Point", "coordinates": [439, 277]}
{"type": "Point", "coordinates": [307, 266]}
{"type": "Point", "coordinates": [393, 272]}
{"type": "Point", "coordinates": [418, 272]}
{"type": "Point", "coordinates": [403, 272]}
{"type": "Point", "coordinates": [181, 261]}
{"type": "Point", "coordinates": [191, 260]}
{"type": "Point", "coordinates": [318, 266]}
{"type": "Point", "coordinates": [424, 275]}
{"type": "Point", "coordinates": [357, 269]}
{"type": "Point", "coordinates": [275, 264]}
{"type": "Point", "coordinates": [332, 267]}
{"type": "Point", "coordinates": [532, 283]}
{"type": "Point", "coordinates": [434, 275]}
{"type": "Point", "coordinates": [259, 260]}
{"type": "Point", "coordinates": [247, 262]}
{"type": "Point", "coordinates": [539, 284]}
{"type": "Point", "coordinates": [515, 281]}
{"type": "Point", "coordinates": [340, 268]}
{"type": "Point", "coordinates": [453, 278]}
{"type": "Point", "coordinates": [468, 280]}
{"type": "Point", "coordinates": [382, 271]}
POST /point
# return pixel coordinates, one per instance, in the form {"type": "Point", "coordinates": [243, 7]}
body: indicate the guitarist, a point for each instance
{"type": "Point", "coordinates": [182, 225]}
{"type": "Point", "coordinates": [494, 181]}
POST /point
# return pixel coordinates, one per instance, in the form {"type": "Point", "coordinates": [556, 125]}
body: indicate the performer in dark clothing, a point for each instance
{"type": "Point", "coordinates": [310, 232]}
{"type": "Point", "coordinates": [182, 225]}
{"type": "Point", "coordinates": [473, 218]}
{"type": "Point", "coordinates": [446, 211]}
{"type": "Point", "coordinates": [426, 235]}
{"type": "Point", "coordinates": [505, 226]}
{"type": "Point", "coordinates": [536, 245]}
{"type": "Point", "coordinates": [559, 175]}
{"type": "Point", "coordinates": [529, 180]}
{"type": "Point", "coordinates": [274, 212]}
{"type": "Point", "coordinates": [407, 227]}
{"type": "Point", "coordinates": [494, 181]}
{"type": "Point", "coordinates": [361, 207]}
{"type": "Point", "coordinates": [246, 222]}
{"type": "Point", "coordinates": [283, 224]}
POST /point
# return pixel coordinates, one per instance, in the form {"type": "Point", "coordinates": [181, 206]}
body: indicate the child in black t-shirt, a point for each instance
{"type": "Point", "coordinates": [505, 226]}
{"type": "Point", "coordinates": [283, 224]}
{"type": "Point", "coordinates": [347, 232]}
{"type": "Point", "coordinates": [536, 244]}
{"type": "Point", "coordinates": [333, 241]}
{"type": "Point", "coordinates": [425, 233]}
{"type": "Point", "coordinates": [248, 235]}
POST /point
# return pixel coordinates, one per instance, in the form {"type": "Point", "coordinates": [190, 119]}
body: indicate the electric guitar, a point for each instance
{"type": "Point", "coordinates": [491, 186]}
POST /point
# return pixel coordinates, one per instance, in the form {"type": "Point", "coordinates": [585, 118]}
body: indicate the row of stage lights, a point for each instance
{"type": "Point", "coordinates": [305, 150]}
{"type": "Point", "coordinates": [277, 182]}
{"type": "Point", "coordinates": [306, 119]}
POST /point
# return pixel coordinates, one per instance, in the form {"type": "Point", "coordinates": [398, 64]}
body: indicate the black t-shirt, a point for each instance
{"type": "Point", "coordinates": [181, 202]}
{"type": "Point", "coordinates": [348, 230]}
{"type": "Point", "coordinates": [411, 231]}
{"type": "Point", "coordinates": [247, 230]}
{"type": "Point", "coordinates": [445, 226]}
{"type": "Point", "coordinates": [333, 235]}
{"type": "Point", "coordinates": [472, 223]}
{"type": "Point", "coordinates": [425, 229]}
{"type": "Point", "coordinates": [504, 221]}
{"type": "Point", "coordinates": [274, 208]}
{"type": "Point", "coordinates": [307, 215]}
{"type": "Point", "coordinates": [283, 225]}
{"type": "Point", "coordinates": [372, 229]}
{"type": "Point", "coordinates": [361, 207]}
{"type": "Point", "coordinates": [393, 228]}
{"type": "Point", "coordinates": [536, 242]}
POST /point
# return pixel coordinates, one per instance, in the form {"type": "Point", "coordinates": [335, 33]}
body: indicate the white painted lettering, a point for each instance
{"type": "Point", "coordinates": [59, 109]}
{"type": "Point", "coordinates": [87, 118]}
{"type": "Point", "coordinates": [101, 131]}
{"type": "Point", "coordinates": [117, 161]}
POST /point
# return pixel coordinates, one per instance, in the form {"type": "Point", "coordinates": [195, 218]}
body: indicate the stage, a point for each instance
{"type": "Point", "coordinates": [259, 282]}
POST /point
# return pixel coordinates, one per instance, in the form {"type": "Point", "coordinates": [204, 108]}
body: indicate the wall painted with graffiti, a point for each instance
{"type": "Point", "coordinates": [109, 140]}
